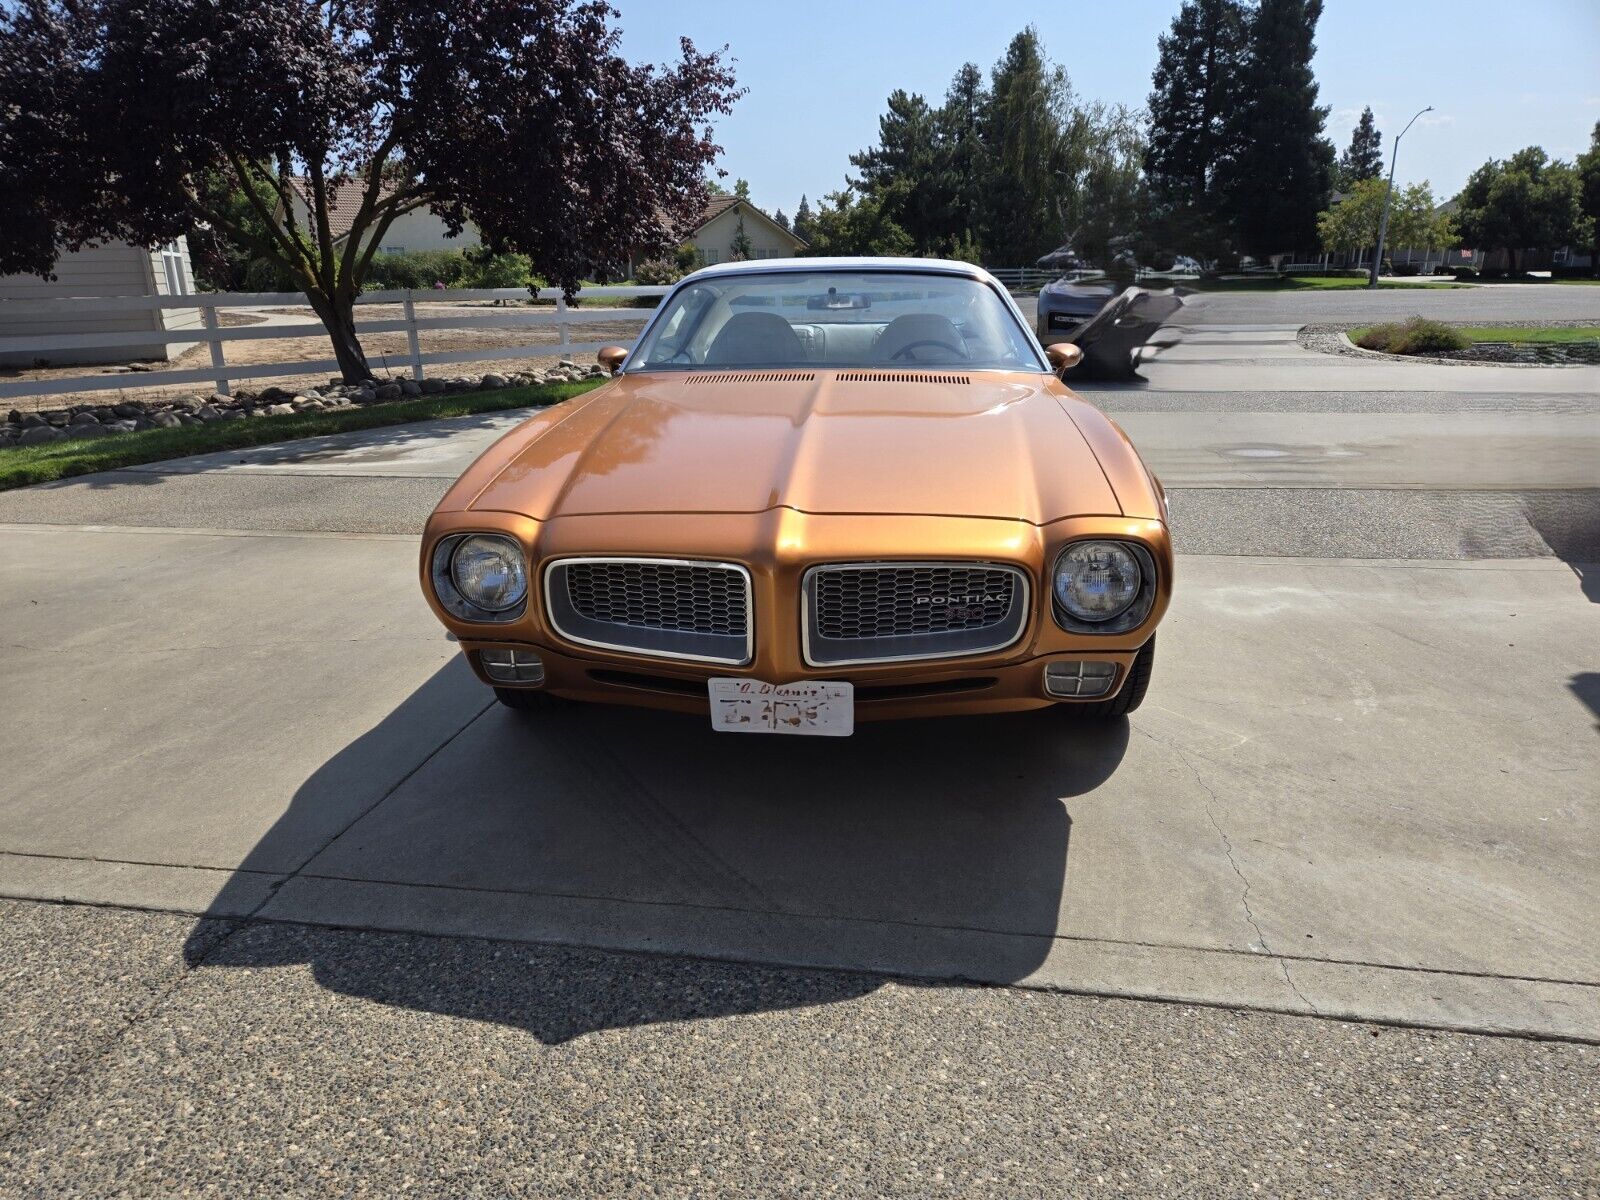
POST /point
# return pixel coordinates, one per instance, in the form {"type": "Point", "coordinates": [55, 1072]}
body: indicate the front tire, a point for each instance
{"type": "Point", "coordinates": [1131, 695]}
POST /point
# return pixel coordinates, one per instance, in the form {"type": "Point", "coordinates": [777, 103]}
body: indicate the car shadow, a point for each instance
{"type": "Point", "coordinates": [1585, 685]}
{"type": "Point", "coordinates": [1569, 523]}
{"type": "Point", "coordinates": [942, 842]}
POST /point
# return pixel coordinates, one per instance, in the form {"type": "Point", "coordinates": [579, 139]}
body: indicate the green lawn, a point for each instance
{"type": "Point", "coordinates": [23, 465]}
{"type": "Point", "coordinates": [1547, 333]}
{"type": "Point", "coordinates": [1275, 283]}
{"type": "Point", "coordinates": [1511, 333]}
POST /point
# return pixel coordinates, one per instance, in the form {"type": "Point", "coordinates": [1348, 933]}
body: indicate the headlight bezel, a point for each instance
{"type": "Point", "coordinates": [442, 573]}
{"type": "Point", "coordinates": [1130, 617]}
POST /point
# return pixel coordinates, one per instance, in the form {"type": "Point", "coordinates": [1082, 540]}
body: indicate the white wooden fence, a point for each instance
{"type": "Point", "coordinates": [220, 374]}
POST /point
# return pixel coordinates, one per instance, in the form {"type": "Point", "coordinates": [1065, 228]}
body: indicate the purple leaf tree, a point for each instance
{"type": "Point", "coordinates": [135, 120]}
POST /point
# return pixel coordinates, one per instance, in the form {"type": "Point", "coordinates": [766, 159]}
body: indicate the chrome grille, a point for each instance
{"type": "Point", "coordinates": [668, 608]}
{"type": "Point", "coordinates": [882, 612]}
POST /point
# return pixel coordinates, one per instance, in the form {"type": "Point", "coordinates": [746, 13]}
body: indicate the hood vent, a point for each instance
{"type": "Point", "coordinates": [752, 377]}
{"type": "Point", "coordinates": [899, 377]}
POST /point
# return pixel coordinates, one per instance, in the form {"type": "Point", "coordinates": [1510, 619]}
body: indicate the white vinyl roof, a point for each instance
{"type": "Point", "coordinates": [941, 266]}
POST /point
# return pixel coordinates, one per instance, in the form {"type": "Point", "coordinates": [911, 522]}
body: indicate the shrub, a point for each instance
{"type": "Point", "coordinates": [417, 269]}
{"type": "Point", "coordinates": [1416, 336]}
{"type": "Point", "coordinates": [265, 275]}
{"type": "Point", "coordinates": [1460, 272]}
{"type": "Point", "coordinates": [1408, 268]}
{"type": "Point", "coordinates": [498, 271]}
{"type": "Point", "coordinates": [657, 271]}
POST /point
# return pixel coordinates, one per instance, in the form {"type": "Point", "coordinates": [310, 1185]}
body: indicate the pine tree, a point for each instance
{"type": "Point", "coordinates": [1281, 174]}
{"type": "Point", "coordinates": [804, 222]}
{"type": "Point", "coordinates": [899, 174]}
{"type": "Point", "coordinates": [781, 221]}
{"type": "Point", "coordinates": [1030, 105]}
{"type": "Point", "coordinates": [963, 159]}
{"type": "Point", "coordinates": [1195, 88]}
{"type": "Point", "coordinates": [1364, 157]}
{"type": "Point", "coordinates": [741, 188]}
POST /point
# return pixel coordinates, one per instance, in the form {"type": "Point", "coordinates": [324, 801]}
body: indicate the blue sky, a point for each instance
{"type": "Point", "coordinates": [1500, 76]}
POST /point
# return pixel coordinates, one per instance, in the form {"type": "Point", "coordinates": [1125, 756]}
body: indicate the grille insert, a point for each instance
{"type": "Point", "coordinates": [669, 608]}
{"type": "Point", "coordinates": [882, 612]}
{"type": "Point", "coordinates": [900, 377]}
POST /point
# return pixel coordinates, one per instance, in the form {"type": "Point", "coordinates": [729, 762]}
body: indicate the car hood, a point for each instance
{"type": "Point", "coordinates": [986, 444]}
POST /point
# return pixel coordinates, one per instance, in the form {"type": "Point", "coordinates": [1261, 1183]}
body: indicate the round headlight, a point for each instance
{"type": "Point", "coordinates": [489, 572]}
{"type": "Point", "coordinates": [1096, 581]}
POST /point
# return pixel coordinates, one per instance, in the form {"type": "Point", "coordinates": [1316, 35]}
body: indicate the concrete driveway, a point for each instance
{"type": "Point", "coordinates": [1363, 786]}
{"type": "Point", "coordinates": [335, 923]}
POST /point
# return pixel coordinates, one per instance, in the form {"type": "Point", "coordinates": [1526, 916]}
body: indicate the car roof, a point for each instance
{"type": "Point", "coordinates": [935, 266]}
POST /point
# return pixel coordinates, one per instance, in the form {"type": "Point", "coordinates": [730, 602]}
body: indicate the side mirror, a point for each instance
{"type": "Point", "coordinates": [1063, 356]}
{"type": "Point", "coordinates": [611, 357]}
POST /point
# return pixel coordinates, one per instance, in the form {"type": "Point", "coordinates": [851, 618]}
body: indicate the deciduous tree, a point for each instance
{"type": "Point", "coordinates": [1589, 195]}
{"type": "Point", "coordinates": [125, 119]}
{"type": "Point", "coordinates": [1352, 224]}
{"type": "Point", "coordinates": [1526, 202]}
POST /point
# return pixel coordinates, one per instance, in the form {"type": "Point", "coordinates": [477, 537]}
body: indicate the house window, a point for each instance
{"type": "Point", "coordinates": [172, 266]}
{"type": "Point", "coordinates": [391, 249]}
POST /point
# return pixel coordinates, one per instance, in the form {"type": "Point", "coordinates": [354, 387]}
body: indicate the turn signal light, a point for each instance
{"type": "Point", "coordinates": [512, 666]}
{"type": "Point", "coordinates": [1079, 677]}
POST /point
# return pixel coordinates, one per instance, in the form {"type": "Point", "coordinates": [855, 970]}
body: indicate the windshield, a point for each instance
{"type": "Point", "coordinates": [837, 319]}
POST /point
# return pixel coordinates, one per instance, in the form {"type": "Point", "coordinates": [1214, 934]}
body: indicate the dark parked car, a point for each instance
{"type": "Point", "coordinates": [1110, 321]}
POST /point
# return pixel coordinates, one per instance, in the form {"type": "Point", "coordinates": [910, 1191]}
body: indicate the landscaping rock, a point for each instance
{"type": "Point", "coordinates": [31, 420]}
{"type": "Point", "coordinates": [433, 386]}
{"type": "Point", "coordinates": [84, 418]}
{"type": "Point", "coordinates": [409, 387]}
{"type": "Point", "coordinates": [363, 396]}
{"type": "Point", "coordinates": [234, 414]}
{"type": "Point", "coordinates": [128, 410]}
{"type": "Point", "coordinates": [36, 434]}
{"type": "Point", "coordinates": [279, 410]}
{"type": "Point", "coordinates": [189, 419]}
{"type": "Point", "coordinates": [164, 420]}
{"type": "Point", "coordinates": [207, 413]}
{"type": "Point", "coordinates": [93, 430]}
{"type": "Point", "coordinates": [388, 391]}
{"type": "Point", "coordinates": [495, 381]}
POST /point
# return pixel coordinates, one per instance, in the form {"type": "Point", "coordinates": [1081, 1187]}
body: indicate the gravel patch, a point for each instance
{"type": "Point", "coordinates": [1334, 339]}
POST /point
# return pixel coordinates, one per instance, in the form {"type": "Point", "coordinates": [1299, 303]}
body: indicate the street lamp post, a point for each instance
{"type": "Point", "coordinates": [1383, 222]}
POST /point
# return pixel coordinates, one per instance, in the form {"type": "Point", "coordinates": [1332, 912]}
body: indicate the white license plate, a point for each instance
{"type": "Point", "coordinates": [807, 707]}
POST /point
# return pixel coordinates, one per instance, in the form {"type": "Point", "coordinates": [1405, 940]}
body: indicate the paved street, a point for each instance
{"type": "Point", "coordinates": [338, 923]}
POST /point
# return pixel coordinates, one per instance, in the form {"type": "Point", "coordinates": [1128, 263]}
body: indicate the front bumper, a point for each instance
{"type": "Point", "coordinates": [777, 547]}
{"type": "Point", "coordinates": [941, 689]}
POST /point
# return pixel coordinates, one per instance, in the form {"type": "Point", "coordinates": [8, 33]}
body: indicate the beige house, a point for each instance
{"type": "Point", "coordinates": [412, 231]}
{"type": "Point", "coordinates": [31, 307]}
{"type": "Point", "coordinates": [717, 234]}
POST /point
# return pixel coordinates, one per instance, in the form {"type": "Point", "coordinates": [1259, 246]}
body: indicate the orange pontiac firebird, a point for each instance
{"type": "Point", "coordinates": [815, 490]}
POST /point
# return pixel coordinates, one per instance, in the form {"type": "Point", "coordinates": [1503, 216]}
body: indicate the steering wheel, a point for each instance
{"type": "Point", "coordinates": [927, 342]}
